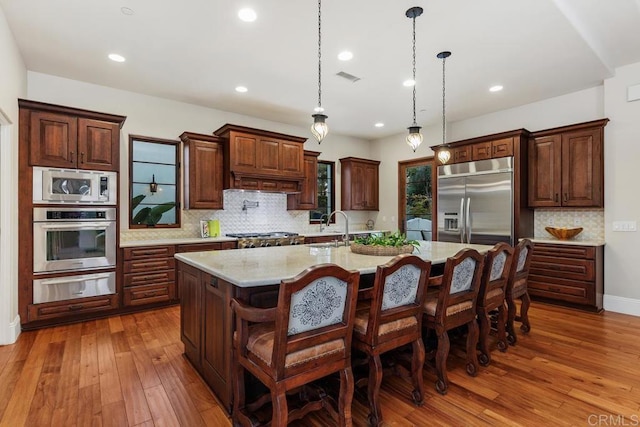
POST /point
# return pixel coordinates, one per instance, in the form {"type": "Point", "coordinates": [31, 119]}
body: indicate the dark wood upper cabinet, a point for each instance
{"type": "Point", "coordinates": [203, 171]}
{"type": "Point", "coordinates": [481, 148]}
{"type": "Point", "coordinates": [360, 184]}
{"type": "Point", "coordinates": [307, 199]}
{"type": "Point", "coordinates": [566, 166]}
{"type": "Point", "coordinates": [66, 137]}
{"type": "Point", "coordinates": [256, 159]}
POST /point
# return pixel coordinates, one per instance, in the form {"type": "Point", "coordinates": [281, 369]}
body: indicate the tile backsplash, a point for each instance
{"type": "Point", "coordinates": [591, 220]}
{"type": "Point", "coordinates": [264, 212]}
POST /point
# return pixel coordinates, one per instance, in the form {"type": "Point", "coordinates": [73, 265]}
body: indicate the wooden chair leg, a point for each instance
{"type": "Point", "coordinates": [472, 343]}
{"type": "Point", "coordinates": [483, 340]}
{"type": "Point", "coordinates": [238, 391]}
{"type": "Point", "coordinates": [417, 365]}
{"type": "Point", "coordinates": [345, 399]}
{"type": "Point", "coordinates": [280, 415]}
{"type": "Point", "coordinates": [442, 384]}
{"type": "Point", "coordinates": [511, 316]}
{"type": "Point", "coordinates": [502, 332]}
{"type": "Point", "coordinates": [375, 381]}
{"type": "Point", "coordinates": [524, 312]}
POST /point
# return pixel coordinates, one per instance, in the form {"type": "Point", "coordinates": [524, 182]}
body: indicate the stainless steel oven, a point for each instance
{"type": "Point", "coordinates": [73, 239]}
{"type": "Point", "coordinates": [70, 287]}
{"type": "Point", "coordinates": [51, 185]}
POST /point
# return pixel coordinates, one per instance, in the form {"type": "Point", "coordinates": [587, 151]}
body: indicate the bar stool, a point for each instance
{"type": "Point", "coordinates": [517, 289]}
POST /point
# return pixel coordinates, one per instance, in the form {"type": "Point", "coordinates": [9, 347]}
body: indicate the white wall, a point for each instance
{"type": "Point", "coordinates": [13, 85]}
{"type": "Point", "coordinates": [622, 153]}
{"type": "Point", "coordinates": [162, 118]}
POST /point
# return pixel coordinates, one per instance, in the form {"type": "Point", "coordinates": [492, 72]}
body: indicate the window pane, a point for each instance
{"type": "Point", "coordinates": [153, 152]}
{"type": "Point", "coordinates": [418, 201]}
{"type": "Point", "coordinates": [326, 191]}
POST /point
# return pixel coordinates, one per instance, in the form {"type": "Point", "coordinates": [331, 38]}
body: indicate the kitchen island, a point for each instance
{"type": "Point", "coordinates": [207, 281]}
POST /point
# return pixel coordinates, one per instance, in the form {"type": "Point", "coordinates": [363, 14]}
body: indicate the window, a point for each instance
{"type": "Point", "coordinates": [326, 192]}
{"type": "Point", "coordinates": [154, 182]}
{"type": "Point", "coordinates": [415, 198]}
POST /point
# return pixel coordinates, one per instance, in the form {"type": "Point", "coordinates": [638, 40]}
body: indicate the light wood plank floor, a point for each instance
{"type": "Point", "coordinates": [574, 368]}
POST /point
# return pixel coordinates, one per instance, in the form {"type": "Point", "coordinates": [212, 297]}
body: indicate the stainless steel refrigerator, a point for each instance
{"type": "Point", "coordinates": [476, 202]}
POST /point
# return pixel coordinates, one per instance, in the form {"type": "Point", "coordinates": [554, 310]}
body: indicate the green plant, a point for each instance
{"type": "Point", "coordinates": [149, 216]}
{"type": "Point", "coordinates": [395, 239]}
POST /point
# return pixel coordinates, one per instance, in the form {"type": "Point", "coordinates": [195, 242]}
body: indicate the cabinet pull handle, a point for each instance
{"type": "Point", "coordinates": [76, 307]}
{"type": "Point", "coordinates": [82, 157]}
{"type": "Point", "coordinates": [214, 282]}
{"type": "Point", "coordinates": [71, 156]}
{"type": "Point", "coordinates": [149, 294]}
{"type": "Point", "coordinates": [557, 198]}
{"type": "Point", "coordinates": [553, 289]}
{"type": "Point", "coordinates": [566, 197]}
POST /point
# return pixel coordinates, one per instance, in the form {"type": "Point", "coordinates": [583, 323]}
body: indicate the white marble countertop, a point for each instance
{"type": "Point", "coordinates": [175, 241]}
{"type": "Point", "coordinates": [553, 241]}
{"type": "Point", "coordinates": [268, 266]}
{"type": "Point", "coordinates": [333, 232]}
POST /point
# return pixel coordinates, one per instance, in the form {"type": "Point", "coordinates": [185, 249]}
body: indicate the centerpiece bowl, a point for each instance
{"type": "Point", "coordinates": [385, 245]}
{"type": "Point", "coordinates": [564, 233]}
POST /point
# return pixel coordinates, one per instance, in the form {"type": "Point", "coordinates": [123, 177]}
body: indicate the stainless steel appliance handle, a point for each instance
{"type": "Point", "coordinates": [77, 226]}
{"type": "Point", "coordinates": [461, 220]}
{"type": "Point", "coordinates": [80, 279]}
{"type": "Point", "coordinates": [468, 220]}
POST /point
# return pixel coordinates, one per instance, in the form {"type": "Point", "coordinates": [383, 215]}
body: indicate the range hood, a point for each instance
{"type": "Point", "coordinates": [260, 160]}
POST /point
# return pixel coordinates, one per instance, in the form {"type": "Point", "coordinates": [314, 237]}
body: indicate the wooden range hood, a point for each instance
{"type": "Point", "coordinates": [256, 159]}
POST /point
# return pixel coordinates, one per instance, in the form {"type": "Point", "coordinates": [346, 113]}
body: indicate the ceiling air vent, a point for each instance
{"type": "Point", "coordinates": [348, 76]}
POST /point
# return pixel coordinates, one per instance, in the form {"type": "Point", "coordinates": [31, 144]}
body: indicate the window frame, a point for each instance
{"type": "Point", "coordinates": [332, 196]}
{"type": "Point", "coordinates": [178, 206]}
{"type": "Point", "coordinates": [402, 190]}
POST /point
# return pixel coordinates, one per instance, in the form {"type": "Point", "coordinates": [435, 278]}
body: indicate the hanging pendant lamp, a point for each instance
{"type": "Point", "coordinates": [444, 155]}
{"type": "Point", "coordinates": [319, 128]}
{"type": "Point", "coordinates": [414, 139]}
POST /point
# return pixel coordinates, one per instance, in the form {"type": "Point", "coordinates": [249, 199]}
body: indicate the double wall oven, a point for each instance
{"type": "Point", "coordinates": [74, 234]}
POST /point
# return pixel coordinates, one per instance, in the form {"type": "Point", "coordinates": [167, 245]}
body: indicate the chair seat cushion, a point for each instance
{"type": "Point", "coordinates": [261, 339]}
{"type": "Point", "coordinates": [362, 321]}
{"type": "Point", "coordinates": [431, 304]}
{"type": "Point", "coordinates": [519, 288]}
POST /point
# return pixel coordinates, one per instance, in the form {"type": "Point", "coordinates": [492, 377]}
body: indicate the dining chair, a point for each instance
{"type": "Point", "coordinates": [491, 297]}
{"type": "Point", "coordinates": [388, 316]}
{"type": "Point", "coordinates": [307, 336]}
{"type": "Point", "coordinates": [454, 306]}
{"type": "Point", "coordinates": [517, 289]}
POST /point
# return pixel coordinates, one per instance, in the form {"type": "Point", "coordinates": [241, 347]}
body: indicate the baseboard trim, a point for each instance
{"type": "Point", "coordinates": [11, 333]}
{"type": "Point", "coordinates": [621, 305]}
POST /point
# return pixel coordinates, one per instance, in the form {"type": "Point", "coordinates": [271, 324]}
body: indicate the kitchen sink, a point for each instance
{"type": "Point", "coordinates": [322, 245]}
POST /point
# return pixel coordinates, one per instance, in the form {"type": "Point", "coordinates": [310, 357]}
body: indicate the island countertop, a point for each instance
{"type": "Point", "coordinates": [267, 266]}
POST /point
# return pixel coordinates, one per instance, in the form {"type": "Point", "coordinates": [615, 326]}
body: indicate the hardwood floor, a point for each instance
{"type": "Point", "coordinates": [574, 368]}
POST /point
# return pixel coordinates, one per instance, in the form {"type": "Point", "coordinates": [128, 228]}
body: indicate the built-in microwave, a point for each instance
{"type": "Point", "coordinates": [51, 185]}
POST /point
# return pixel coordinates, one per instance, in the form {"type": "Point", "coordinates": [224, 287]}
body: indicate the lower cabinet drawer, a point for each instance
{"type": "Point", "coordinates": [559, 289]}
{"type": "Point", "coordinates": [150, 278]}
{"type": "Point", "coordinates": [74, 307]}
{"type": "Point", "coordinates": [152, 264]}
{"type": "Point", "coordinates": [149, 294]}
{"type": "Point", "coordinates": [567, 268]}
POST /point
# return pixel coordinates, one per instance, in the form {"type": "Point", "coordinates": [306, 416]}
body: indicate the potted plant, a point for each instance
{"type": "Point", "coordinates": [384, 245]}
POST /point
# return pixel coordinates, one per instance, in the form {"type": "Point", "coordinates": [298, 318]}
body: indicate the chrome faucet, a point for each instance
{"type": "Point", "coordinates": [346, 225]}
{"type": "Point", "coordinates": [322, 223]}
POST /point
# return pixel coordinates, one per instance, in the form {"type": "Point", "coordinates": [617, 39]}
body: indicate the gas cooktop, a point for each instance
{"type": "Point", "coordinates": [264, 235]}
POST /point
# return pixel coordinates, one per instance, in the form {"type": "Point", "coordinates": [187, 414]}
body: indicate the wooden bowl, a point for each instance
{"type": "Point", "coordinates": [564, 233]}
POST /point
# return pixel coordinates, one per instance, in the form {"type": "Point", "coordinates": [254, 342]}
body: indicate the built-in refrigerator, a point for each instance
{"type": "Point", "coordinates": [475, 202]}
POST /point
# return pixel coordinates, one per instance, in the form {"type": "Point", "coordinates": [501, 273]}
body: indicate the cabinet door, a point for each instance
{"type": "Point", "coordinates": [292, 159]}
{"type": "Point", "coordinates": [582, 168]}
{"type": "Point", "coordinates": [358, 191]}
{"type": "Point", "coordinates": [243, 151]}
{"type": "Point", "coordinates": [461, 154]}
{"type": "Point", "coordinates": [502, 147]}
{"type": "Point", "coordinates": [370, 187]}
{"type": "Point", "coordinates": [53, 140]}
{"type": "Point", "coordinates": [307, 199]}
{"type": "Point", "coordinates": [204, 175]}
{"type": "Point", "coordinates": [268, 156]}
{"type": "Point", "coordinates": [545, 171]}
{"type": "Point", "coordinates": [190, 289]}
{"type": "Point", "coordinates": [481, 151]}
{"type": "Point", "coordinates": [98, 145]}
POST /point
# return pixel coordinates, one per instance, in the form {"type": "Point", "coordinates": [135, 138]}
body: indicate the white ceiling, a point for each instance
{"type": "Point", "coordinates": [198, 51]}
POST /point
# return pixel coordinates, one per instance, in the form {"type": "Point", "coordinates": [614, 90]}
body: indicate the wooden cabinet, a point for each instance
{"type": "Point", "coordinates": [568, 274]}
{"type": "Point", "coordinates": [256, 159]}
{"type": "Point", "coordinates": [80, 308]}
{"type": "Point", "coordinates": [206, 328]}
{"type": "Point", "coordinates": [483, 148]}
{"type": "Point", "coordinates": [203, 171]}
{"type": "Point", "coordinates": [307, 199]}
{"type": "Point", "coordinates": [359, 184]}
{"type": "Point", "coordinates": [149, 275]}
{"type": "Point", "coordinates": [566, 166]}
{"type": "Point", "coordinates": [70, 138]}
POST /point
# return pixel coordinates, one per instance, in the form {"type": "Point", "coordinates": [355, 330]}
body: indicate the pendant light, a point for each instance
{"type": "Point", "coordinates": [444, 155]}
{"type": "Point", "coordinates": [319, 128]}
{"type": "Point", "coordinates": [414, 139]}
{"type": "Point", "coordinates": [153, 185]}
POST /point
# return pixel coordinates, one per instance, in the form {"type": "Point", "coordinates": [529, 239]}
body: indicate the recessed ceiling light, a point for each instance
{"type": "Point", "coordinates": [126, 11]}
{"type": "Point", "coordinates": [117, 58]}
{"type": "Point", "coordinates": [345, 55]}
{"type": "Point", "coordinates": [496, 88]}
{"type": "Point", "coordinates": [379, 125]}
{"type": "Point", "coordinates": [241, 89]}
{"type": "Point", "coordinates": [409, 83]}
{"type": "Point", "coordinates": [247, 14]}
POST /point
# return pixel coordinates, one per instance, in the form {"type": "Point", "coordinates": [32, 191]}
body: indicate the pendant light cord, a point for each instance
{"type": "Point", "coordinates": [414, 71]}
{"type": "Point", "coordinates": [319, 55]}
{"type": "Point", "coordinates": [444, 120]}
